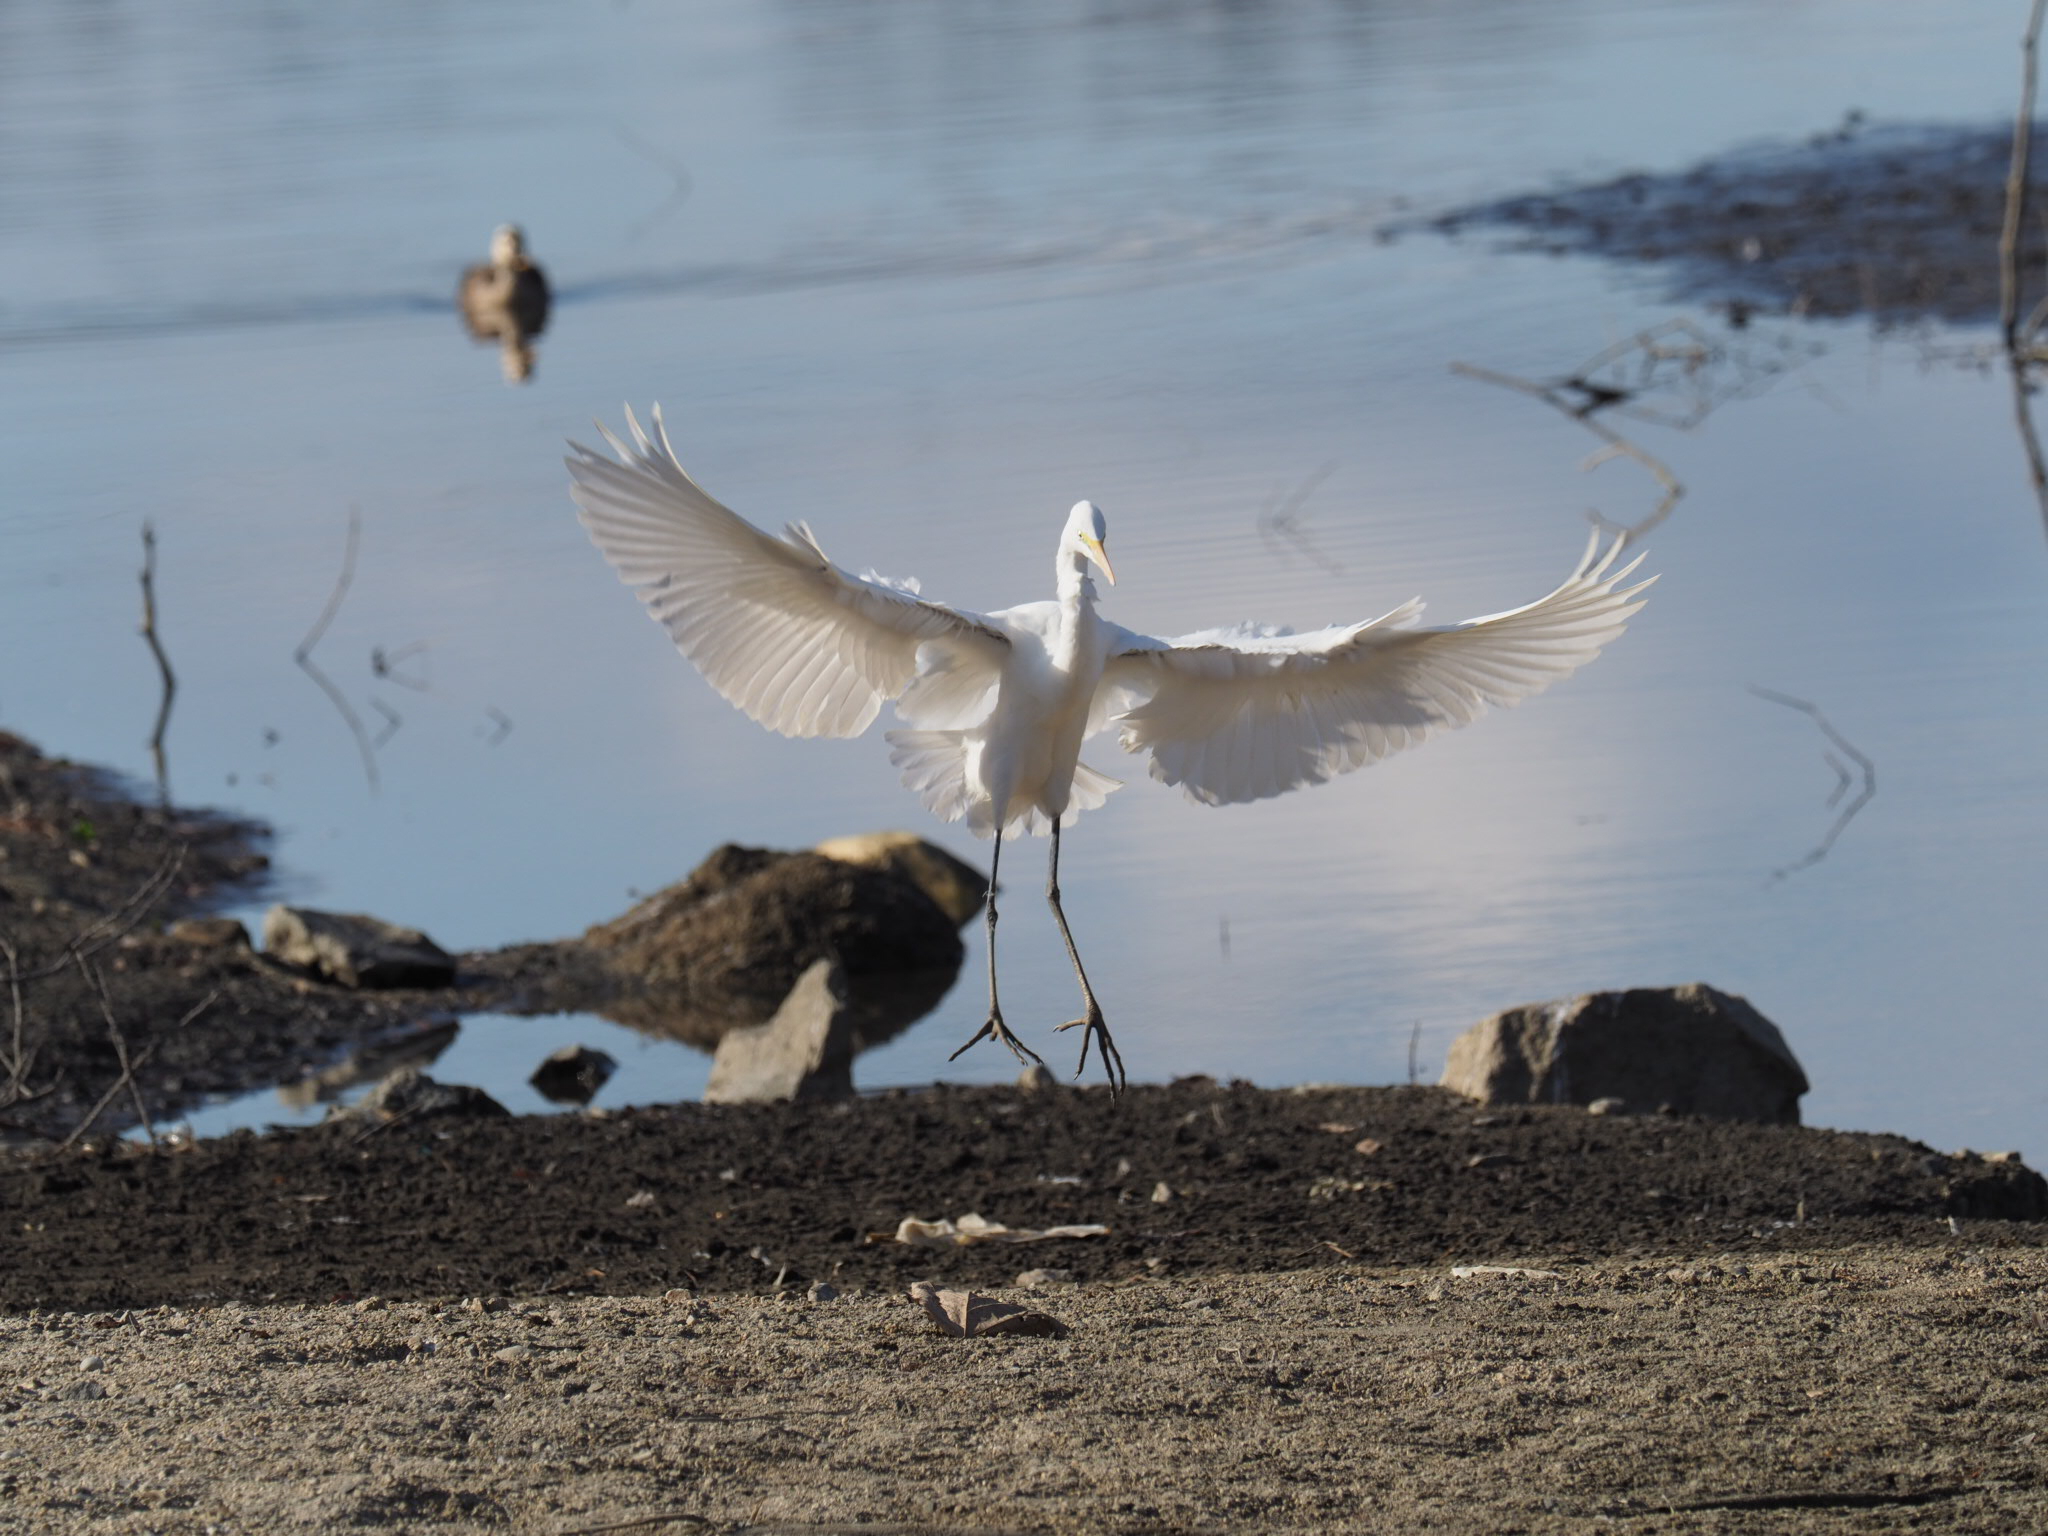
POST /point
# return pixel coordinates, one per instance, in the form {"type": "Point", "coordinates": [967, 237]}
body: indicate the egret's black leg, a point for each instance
{"type": "Point", "coordinates": [1092, 1021]}
{"type": "Point", "coordinates": [995, 1028]}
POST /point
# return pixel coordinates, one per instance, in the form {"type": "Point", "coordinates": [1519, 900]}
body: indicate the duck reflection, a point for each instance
{"type": "Point", "coordinates": [506, 300]}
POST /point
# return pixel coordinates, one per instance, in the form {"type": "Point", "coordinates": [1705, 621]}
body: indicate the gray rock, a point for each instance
{"type": "Point", "coordinates": [1686, 1050]}
{"type": "Point", "coordinates": [412, 1095]}
{"type": "Point", "coordinates": [573, 1074]}
{"type": "Point", "coordinates": [354, 949]}
{"type": "Point", "coordinates": [804, 1052]}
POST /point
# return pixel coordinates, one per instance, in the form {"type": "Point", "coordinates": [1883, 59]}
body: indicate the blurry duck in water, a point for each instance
{"type": "Point", "coordinates": [506, 300]}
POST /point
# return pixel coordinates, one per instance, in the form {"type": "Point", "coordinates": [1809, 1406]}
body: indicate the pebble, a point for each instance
{"type": "Point", "coordinates": [93, 1363]}
{"type": "Point", "coordinates": [1044, 1279]}
{"type": "Point", "coordinates": [823, 1291]}
{"type": "Point", "coordinates": [513, 1354]}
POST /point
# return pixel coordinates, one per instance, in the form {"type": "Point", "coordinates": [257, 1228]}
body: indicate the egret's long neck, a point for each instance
{"type": "Point", "coordinates": [1075, 586]}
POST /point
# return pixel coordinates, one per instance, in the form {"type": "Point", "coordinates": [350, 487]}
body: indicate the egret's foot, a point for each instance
{"type": "Point", "coordinates": [1098, 1035]}
{"type": "Point", "coordinates": [995, 1029]}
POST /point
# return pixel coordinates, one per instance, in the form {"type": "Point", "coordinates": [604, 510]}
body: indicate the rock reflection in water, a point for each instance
{"type": "Point", "coordinates": [506, 300]}
{"type": "Point", "coordinates": [417, 1046]}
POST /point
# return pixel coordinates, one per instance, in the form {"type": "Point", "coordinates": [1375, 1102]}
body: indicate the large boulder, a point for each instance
{"type": "Point", "coordinates": [722, 949]}
{"type": "Point", "coordinates": [1684, 1050]}
{"type": "Point", "coordinates": [804, 1052]}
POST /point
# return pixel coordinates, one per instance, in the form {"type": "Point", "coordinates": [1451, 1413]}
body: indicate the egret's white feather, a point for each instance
{"type": "Point", "coordinates": [1234, 716]}
{"type": "Point", "coordinates": [802, 646]}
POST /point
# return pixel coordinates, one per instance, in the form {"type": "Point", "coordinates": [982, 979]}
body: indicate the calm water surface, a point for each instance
{"type": "Point", "coordinates": [923, 275]}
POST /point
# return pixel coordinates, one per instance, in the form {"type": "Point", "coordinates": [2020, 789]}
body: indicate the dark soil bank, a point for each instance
{"type": "Point", "coordinates": [1901, 222]}
{"type": "Point", "coordinates": [1191, 1177]}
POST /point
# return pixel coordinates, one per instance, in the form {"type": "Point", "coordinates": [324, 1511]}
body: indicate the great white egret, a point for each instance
{"type": "Point", "coordinates": [997, 705]}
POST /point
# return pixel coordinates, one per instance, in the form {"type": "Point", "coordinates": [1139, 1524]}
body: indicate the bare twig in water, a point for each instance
{"type": "Point", "coordinates": [2022, 348]}
{"type": "Point", "coordinates": [2016, 183]}
{"type": "Point", "coordinates": [1414, 1046]}
{"type": "Point", "coordinates": [1848, 749]}
{"type": "Point", "coordinates": [304, 654]}
{"type": "Point", "coordinates": [1281, 520]}
{"type": "Point", "coordinates": [393, 721]}
{"type": "Point", "coordinates": [679, 192]}
{"type": "Point", "coordinates": [1675, 361]}
{"type": "Point", "coordinates": [384, 665]}
{"type": "Point", "coordinates": [501, 722]}
{"type": "Point", "coordinates": [163, 664]}
{"type": "Point", "coordinates": [1581, 410]}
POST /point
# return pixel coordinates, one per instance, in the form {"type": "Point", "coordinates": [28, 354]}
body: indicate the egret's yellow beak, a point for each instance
{"type": "Point", "coordinates": [1092, 547]}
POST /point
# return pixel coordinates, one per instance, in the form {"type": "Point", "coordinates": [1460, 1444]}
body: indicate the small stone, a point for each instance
{"type": "Point", "coordinates": [513, 1354]}
{"type": "Point", "coordinates": [93, 1363]}
{"type": "Point", "coordinates": [1162, 1193]}
{"type": "Point", "coordinates": [84, 1391]}
{"type": "Point", "coordinates": [640, 1199]}
{"type": "Point", "coordinates": [573, 1075]}
{"type": "Point", "coordinates": [1044, 1279]}
{"type": "Point", "coordinates": [1037, 1078]}
{"type": "Point", "coordinates": [822, 1290]}
{"type": "Point", "coordinates": [1369, 1147]}
{"type": "Point", "coordinates": [484, 1304]}
{"type": "Point", "coordinates": [1609, 1105]}
{"type": "Point", "coordinates": [371, 1304]}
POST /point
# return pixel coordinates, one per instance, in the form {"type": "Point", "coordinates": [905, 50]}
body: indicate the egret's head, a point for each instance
{"type": "Point", "coordinates": [1087, 533]}
{"type": "Point", "coordinates": [507, 245]}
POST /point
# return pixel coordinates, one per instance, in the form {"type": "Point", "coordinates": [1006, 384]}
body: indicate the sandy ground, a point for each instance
{"type": "Point", "coordinates": [1881, 1389]}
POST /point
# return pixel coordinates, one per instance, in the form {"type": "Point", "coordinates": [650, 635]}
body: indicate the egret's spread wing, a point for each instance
{"type": "Point", "coordinates": [1247, 714]}
{"type": "Point", "coordinates": [805, 648]}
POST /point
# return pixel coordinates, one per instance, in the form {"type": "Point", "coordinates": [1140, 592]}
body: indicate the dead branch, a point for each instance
{"type": "Point", "coordinates": [679, 190]}
{"type": "Point", "coordinates": [1848, 749]}
{"type": "Point", "coordinates": [2016, 183]}
{"type": "Point", "coordinates": [393, 720]}
{"type": "Point", "coordinates": [18, 1056]}
{"type": "Point", "coordinates": [647, 1522]}
{"type": "Point", "coordinates": [1281, 520]}
{"type": "Point", "coordinates": [384, 665]}
{"type": "Point", "coordinates": [163, 664]}
{"type": "Point", "coordinates": [110, 927]}
{"type": "Point", "coordinates": [98, 982]}
{"type": "Point", "coordinates": [2021, 343]}
{"type": "Point", "coordinates": [1617, 446]}
{"type": "Point", "coordinates": [304, 654]}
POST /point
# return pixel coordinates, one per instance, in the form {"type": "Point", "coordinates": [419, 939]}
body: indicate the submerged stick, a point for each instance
{"type": "Point", "coordinates": [304, 654]}
{"type": "Point", "coordinates": [1863, 797]}
{"type": "Point", "coordinates": [163, 664]}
